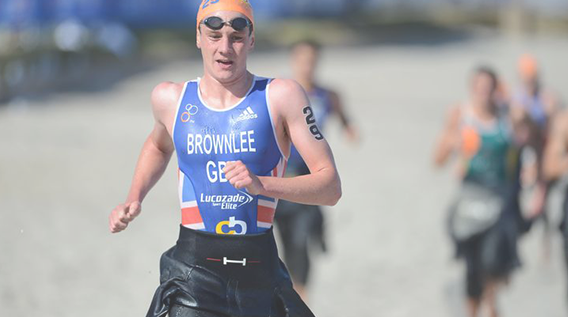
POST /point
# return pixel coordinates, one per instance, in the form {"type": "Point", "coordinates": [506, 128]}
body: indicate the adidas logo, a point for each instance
{"type": "Point", "coordinates": [248, 114]}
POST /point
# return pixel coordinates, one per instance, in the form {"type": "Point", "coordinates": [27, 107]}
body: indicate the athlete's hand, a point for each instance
{"type": "Point", "coordinates": [122, 215]}
{"type": "Point", "coordinates": [240, 177]}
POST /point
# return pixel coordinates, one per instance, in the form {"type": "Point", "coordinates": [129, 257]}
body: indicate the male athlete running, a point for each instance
{"type": "Point", "coordinates": [232, 133]}
{"type": "Point", "coordinates": [299, 224]}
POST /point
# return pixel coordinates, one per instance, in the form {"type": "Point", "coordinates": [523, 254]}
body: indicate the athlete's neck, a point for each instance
{"type": "Point", "coordinates": [223, 95]}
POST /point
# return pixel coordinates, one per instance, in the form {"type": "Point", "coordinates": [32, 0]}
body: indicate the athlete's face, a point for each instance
{"type": "Point", "coordinates": [483, 88]}
{"type": "Point", "coordinates": [225, 51]}
{"type": "Point", "coordinates": [304, 62]}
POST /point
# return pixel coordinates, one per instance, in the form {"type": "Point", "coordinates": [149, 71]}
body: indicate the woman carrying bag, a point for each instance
{"type": "Point", "coordinates": [482, 218]}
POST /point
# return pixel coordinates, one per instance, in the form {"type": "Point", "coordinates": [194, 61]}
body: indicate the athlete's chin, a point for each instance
{"type": "Point", "coordinates": [226, 76]}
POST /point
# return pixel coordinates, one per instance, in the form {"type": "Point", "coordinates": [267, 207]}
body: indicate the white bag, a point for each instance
{"type": "Point", "coordinates": [475, 211]}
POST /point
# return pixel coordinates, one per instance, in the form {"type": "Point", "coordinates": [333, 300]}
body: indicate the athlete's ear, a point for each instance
{"type": "Point", "coordinates": [198, 37]}
{"type": "Point", "coordinates": [251, 42]}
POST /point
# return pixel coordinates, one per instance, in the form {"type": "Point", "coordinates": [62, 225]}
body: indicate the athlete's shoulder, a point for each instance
{"type": "Point", "coordinates": [165, 97]}
{"type": "Point", "coordinates": [286, 92]}
{"type": "Point", "coordinates": [285, 85]}
{"type": "Point", "coordinates": [166, 93]}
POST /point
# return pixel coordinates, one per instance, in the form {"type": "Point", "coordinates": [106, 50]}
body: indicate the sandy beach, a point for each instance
{"type": "Point", "coordinates": [68, 159]}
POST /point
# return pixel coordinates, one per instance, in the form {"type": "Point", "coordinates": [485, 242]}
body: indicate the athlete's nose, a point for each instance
{"type": "Point", "coordinates": [225, 46]}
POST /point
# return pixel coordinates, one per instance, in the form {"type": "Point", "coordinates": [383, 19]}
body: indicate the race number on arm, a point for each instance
{"type": "Point", "coordinates": [295, 124]}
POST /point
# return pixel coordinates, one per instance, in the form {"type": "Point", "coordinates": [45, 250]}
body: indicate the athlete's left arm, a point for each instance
{"type": "Point", "coordinates": [294, 123]}
{"type": "Point", "coordinates": [339, 110]}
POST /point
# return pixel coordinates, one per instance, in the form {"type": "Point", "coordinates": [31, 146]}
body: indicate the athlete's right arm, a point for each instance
{"type": "Point", "coordinates": [153, 158]}
{"type": "Point", "coordinates": [449, 140]}
{"type": "Point", "coordinates": [555, 162]}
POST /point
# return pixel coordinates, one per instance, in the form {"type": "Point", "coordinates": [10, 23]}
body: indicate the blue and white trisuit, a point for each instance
{"type": "Point", "coordinates": [225, 262]}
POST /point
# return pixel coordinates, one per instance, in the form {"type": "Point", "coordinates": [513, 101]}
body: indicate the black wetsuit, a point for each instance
{"type": "Point", "coordinates": [212, 275]}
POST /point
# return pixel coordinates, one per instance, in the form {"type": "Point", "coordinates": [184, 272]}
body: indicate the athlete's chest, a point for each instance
{"type": "Point", "coordinates": [236, 132]}
{"type": "Point", "coordinates": [243, 132]}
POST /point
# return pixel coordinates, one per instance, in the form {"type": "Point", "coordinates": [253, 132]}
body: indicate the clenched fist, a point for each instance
{"type": "Point", "coordinates": [240, 177]}
{"type": "Point", "coordinates": [122, 215]}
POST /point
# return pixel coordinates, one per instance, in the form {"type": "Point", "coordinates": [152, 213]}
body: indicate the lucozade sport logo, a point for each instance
{"type": "Point", "coordinates": [227, 202]}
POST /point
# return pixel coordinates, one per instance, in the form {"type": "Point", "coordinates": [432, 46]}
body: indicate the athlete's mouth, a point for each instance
{"type": "Point", "coordinates": [225, 62]}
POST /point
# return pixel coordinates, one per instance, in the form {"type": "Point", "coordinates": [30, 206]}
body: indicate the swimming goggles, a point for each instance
{"type": "Point", "coordinates": [216, 23]}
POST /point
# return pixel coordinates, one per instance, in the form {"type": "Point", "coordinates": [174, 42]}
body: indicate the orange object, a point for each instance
{"type": "Point", "coordinates": [471, 142]}
{"type": "Point", "coordinates": [528, 66]}
{"type": "Point", "coordinates": [207, 7]}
